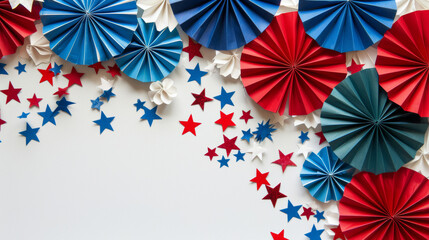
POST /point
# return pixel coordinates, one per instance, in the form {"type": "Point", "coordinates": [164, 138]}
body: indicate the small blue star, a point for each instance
{"type": "Point", "coordinates": [2, 70]}
{"type": "Point", "coordinates": [96, 104]}
{"type": "Point", "coordinates": [48, 116]}
{"type": "Point", "coordinates": [150, 115]}
{"type": "Point", "coordinates": [56, 69]}
{"type": "Point", "coordinates": [264, 131]}
{"type": "Point", "coordinates": [196, 74]}
{"type": "Point", "coordinates": [20, 68]}
{"type": "Point", "coordinates": [239, 156]}
{"type": "Point", "coordinates": [314, 234]}
{"type": "Point", "coordinates": [23, 115]}
{"type": "Point", "coordinates": [223, 162]}
{"type": "Point", "coordinates": [225, 98]}
{"type": "Point", "coordinates": [139, 105]}
{"type": "Point", "coordinates": [108, 94]}
{"type": "Point", "coordinates": [291, 211]}
{"type": "Point", "coordinates": [304, 136]}
{"type": "Point", "coordinates": [247, 135]}
{"type": "Point", "coordinates": [62, 105]}
{"type": "Point", "coordinates": [30, 134]}
{"type": "Point", "coordinates": [104, 122]}
{"type": "Point", "coordinates": [319, 215]}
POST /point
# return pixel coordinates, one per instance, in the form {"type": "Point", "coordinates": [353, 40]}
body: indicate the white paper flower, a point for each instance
{"type": "Point", "coordinates": [420, 163]}
{"type": "Point", "coordinates": [228, 62]}
{"type": "Point", "coordinates": [162, 92]}
{"type": "Point", "coordinates": [288, 6]}
{"type": "Point", "coordinates": [407, 6]}
{"type": "Point", "coordinates": [38, 49]}
{"type": "Point", "coordinates": [159, 12]}
{"type": "Point", "coordinates": [311, 120]}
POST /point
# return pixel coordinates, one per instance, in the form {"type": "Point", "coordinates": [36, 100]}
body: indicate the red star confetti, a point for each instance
{"type": "Point", "coordinates": [354, 68]}
{"type": "Point", "coordinates": [47, 75]}
{"type": "Point", "coordinates": [193, 49]}
{"type": "Point", "coordinates": [225, 120]}
{"type": "Point", "coordinates": [279, 236]}
{"type": "Point", "coordinates": [34, 101]}
{"type": "Point", "coordinates": [211, 153]}
{"type": "Point", "coordinates": [97, 67]}
{"type": "Point", "coordinates": [11, 93]}
{"type": "Point", "coordinates": [228, 145]}
{"type": "Point", "coordinates": [1, 122]}
{"type": "Point", "coordinates": [74, 77]}
{"type": "Point", "coordinates": [284, 160]}
{"type": "Point", "coordinates": [246, 116]}
{"type": "Point", "coordinates": [189, 125]}
{"type": "Point", "coordinates": [308, 212]}
{"type": "Point", "coordinates": [274, 194]}
{"type": "Point", "coordinates": [338, 233]}
{"type": "Point", "coordinates": [260, 179]}
{"type": "Point", "coordinates": [201, 99]}
{"type": "Point", "coordinates": [115, 71]}
{"type": "Point", "coordinates": [321, 136]}
{"type": "Point", "coordinates": [61, 92]}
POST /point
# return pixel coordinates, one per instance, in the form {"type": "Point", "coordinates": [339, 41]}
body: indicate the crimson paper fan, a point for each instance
{"type": "Point", "coordinates": [15, 25]}
{"type": "Point", "coordinates": [386, 206]}
{"type": "Point", "coordinates": [284, 66]}
{"type": "Point", "coordinates": [402, 63]}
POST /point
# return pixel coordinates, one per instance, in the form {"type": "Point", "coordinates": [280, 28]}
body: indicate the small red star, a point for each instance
{"type": "Point", "coordinates": [284, 160]}
{"type": "Point", "coordinates": [34, 101]}
{"type": "Point", "coordinates": [47, 75]}
{"type": "Point", "coordinates": [193, 49]}
{"type": "Point", "coordinates": [74, 77]}
{"type": "Point", "coordinates": [211, 153]}
{"type": "Point", "coordinates": [246, 116]}
{"type": "Point", "coordinates": [189, 125]}
{"type": "Point", "coordinates": [321, 136]}
{"type": "Point", "coordinates": [307, 212]}
{"type": "Point", "coordinates": [260, 179]}
{"type": "Point", "coordinates": [1, 122]}
{"type": "Point", "coordinates": [354, 68]}
{"type": "Point", "coordinates": [280, 236]}
{"type": "Point", "coordinates": [338, 233]}
{"type": "Point", "coordinates": [61, 92]}
{"type": "Point", "coordinates": [225, 120]}
{"type": "Point", "coordinates": [97, 67]}
{"type": "Point", "coordinates": [274, 194]}
{"type": "Point", "coordinates": [11, 93]}
{"type": "Point", "coordinates": [114, 70]}
{"type": "Point", "coordinates": [201, 99]}
{"type": "Point", "coordinates": [228, 145]}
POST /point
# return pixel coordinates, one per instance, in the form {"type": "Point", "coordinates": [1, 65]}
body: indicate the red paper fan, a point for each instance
{"type": "Point", "coordinates": [386, 206]}
{"type": "Point", "coordinates": [403, 62]}
{"type": "Point", "coordinates": [285, 64]}
{"type": "Point", "coordinates": [15, 25]}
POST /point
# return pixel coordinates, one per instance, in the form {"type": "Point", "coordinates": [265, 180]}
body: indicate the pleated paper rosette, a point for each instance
{"type": "Point", "coordinates": [367, 130]}
{"type": "Point", "coordinates": [325, 176]}
{"type": "Point", "coordinates": [347, 25]}
{"type": "Point", "coordinates": [224, 25]}
{"type": "Point", "coordinates": [284, 67]}
{"type": "Point", "coordinates": [15, 25]}
{"type": "Point", "coordinates": [85, 32]}
{"type": "Point", "coordinates": [152, 54]}
{"type": "Point", "coordinates": [403, 62]}
{"type": "Point", "coordinates": [386, 206]}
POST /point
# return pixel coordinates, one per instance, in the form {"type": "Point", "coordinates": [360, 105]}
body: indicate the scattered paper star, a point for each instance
{"type": "Point", "coordinates": [223, 162]}
{"type": "Point", "coordinates": [314, 234]}
{"type": "Point", "coordinates": [264, 131]}
{"type": "Point", "coordinates": [304, 150]}
{"type": "Point", "coordinates": [239, 156]}
{"type": "Point", "coordinates": [319, 215]}
{"type": "Point", "coordinates": [257, 151]}
{"type": "Point", "coordinates": [74, 77]}
{"type": "Point", "coordinates": [105, 84]}
{"type": "Point", "coordinates": [196, 74]}
{"type": "Point", "coordinates": [114, 70]}
{"type": "Point", "coordinates": [225, 120]}
{"type": "Point", "coordinates": [11, 93]}
{"type": "Point", "coordinates": [62, 105]}
{"type": "Point", "coordinates": [260, 179]}
{"type": "Point", "coordinates": [56, 69]}
{"type": "Point", "coordinates": [2, 122]}
{"type": "Point", "coordinates": [96, 104]}
{"type": "Point", "coordinates": [284, 160]}
{"type": "Point", "coordinates": [225, 98]}
{"type": "Point", "coordinates": [201, 99]}
{"type": "Point", "coordinates": [338, 233]}
{"type": "Point", "coordinates": [139, 105]}
{"type": "Point", "coordinates": [48, 116]}
{"type": "Point", "coordinates": [108, 94]}
{"type": "Point", "coordinates": [30, 134]}
{"type": "Point", "coordinates": [189, 125]}
{"type": "Point", "coordinates": [20, 68]}
{"type": "Point", "coordinates": [274, 194]}
{"type": "Point", "coordinates": [193, 49]}
{"type": "Point", "coordinates": [246, 116]}
{"type": "Point", "coordinates": [150, 115]}
{"type": "Point", "coordinates": [229, 145]}
{"type": "Point", "coordinates": [280, 119]}
{"type": "Point", "coordinates": [61, 92]}
{"type": "Point", "coordinates": [308, 212]}
{"type": "Point", "coordinates": [321, 136]}
{"type": "Point", "coordinates": [304, 136]}
{"type": "Point", "coordinates": [23, 115]}
{"type": "Point", "coordinates": [279, 236]}
{"type": "Point", "coordinates": [104, 122]}
{"type": "Point", "coordinates": [247, 135]}
{"type": "Point", "coordinates": [2, 70]}
{"type": "Point", "coordinates": [211, 153]}
{"type": "Point", "coordinates": [34, 101]}
{"type": "Point", "coordinates": [97, 67]}
{"type": "Point", "coordinates": [354, 68]}
{"type": "Point", "coordinates": [291, 211]}
{"type": "Point", "coordinates": [47, 75]}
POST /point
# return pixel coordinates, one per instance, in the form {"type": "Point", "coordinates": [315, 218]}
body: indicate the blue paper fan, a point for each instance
{"type": "Point", "coordinates": [347, 25]}
{"type": "Point", "coordinates": [366, 129]}
{"type": "Point", "coordinates": [325, 176]}
{"type": "Point", "coordinates": [88, 31]}
{"type": "Point", "coordinates": [152, 55]}
{"type": "Point", "coordinates": [226, 24]}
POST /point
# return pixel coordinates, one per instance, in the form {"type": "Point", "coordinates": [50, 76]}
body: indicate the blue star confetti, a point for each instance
{"type": "Point", "coordinates": [20, 68]}
{"type": "Point", "coordinates": [264, 131]}
{"type": "Point", "coordinates": [23, 115]}
{"type": "Point", "coordinates": [107, 94]}
{"type": "Point", "coordinates": [319, 215]}
{"type": "Point", "coordinates": [314, 234]}
{"type": "Point", "coordinates": [196, 74]}
{"type": "Point", "coordinates": [139, 105]}
{"type": "Point", "coordinates": [150, 115]}
{"type": "Point", "coordinates": [48, 116]}
{"type": "Point", "coordinates": [247, 135]}
{"type": "Point", "coordinates": [96, 104]}
{"type": "Point", "coordinates": [225, 98]}
{"type": "Point", "coordinates": [63, 105]}
{"type": "Point", "coordinates": [56, 69]}
{"type": "Point", "coordinates": [2, 70]}
{"type": "Point", "coordinates": [223, 162]}
{"type": "Point", "coordinates": [304, 136]}
{"type": "Point", "coordinates": [239, 156]}
{"type": "Point", "coordinates": [30, 134]}
{"type": "Point", "coordinates": [291, 211]}
{"type": "Point", "coordinates": [104, 122]}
